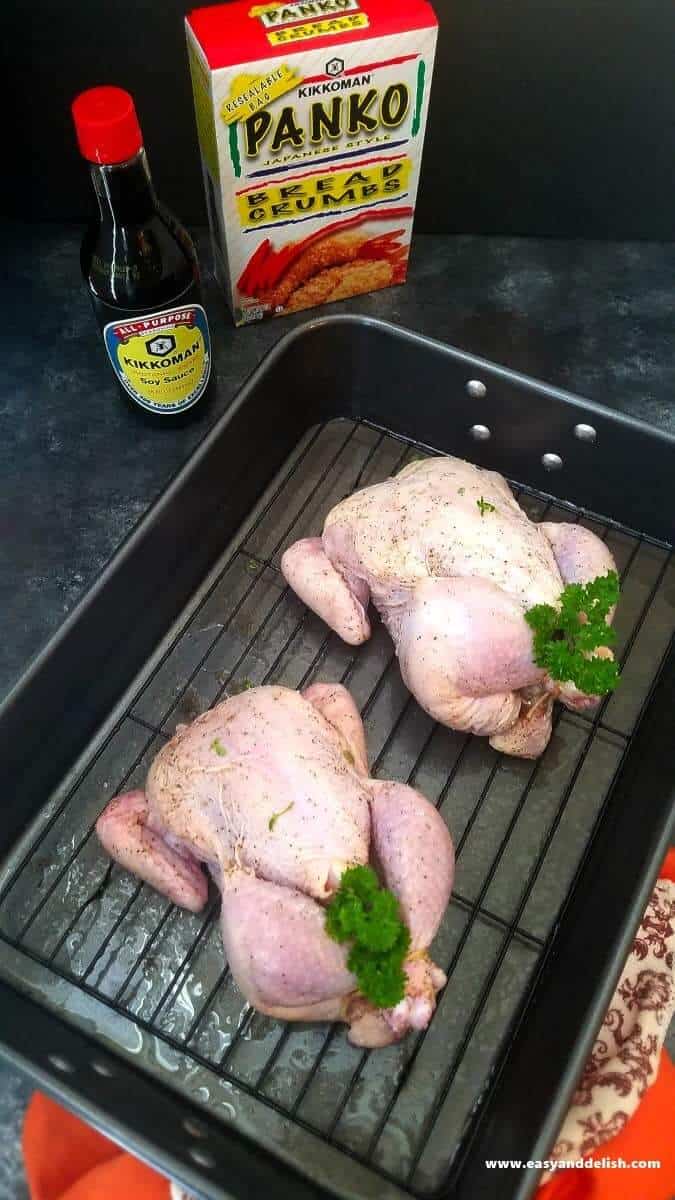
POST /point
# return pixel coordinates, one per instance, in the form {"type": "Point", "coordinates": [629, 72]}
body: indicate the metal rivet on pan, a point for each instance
{"type": "Point", "coordinates": [476, 388]}
{"type": "Point", "coordinates": [552, 462]}
{"type": "Point", "coordinates": [480, 433]}
{"type": "Point", "coordinates": [61, 1064]}
{"type": "Point", "coordinates": [585, 433]}
{"type": "Point", "coordinates": [102, 1068]}
{"type": "Point", "coordinates": [194, 1128]}
{"type": "Point", "coordinates": [201, 1158]}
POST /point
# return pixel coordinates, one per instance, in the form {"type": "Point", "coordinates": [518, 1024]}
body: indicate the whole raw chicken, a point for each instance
{"type": "Point", "coordinates": [452, 563]}
{"type": "Point", "coordinates": [271, 791]}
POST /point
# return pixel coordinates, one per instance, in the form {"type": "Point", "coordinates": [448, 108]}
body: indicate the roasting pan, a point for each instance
{"type": "Point", "coordinates": [122, 1006]}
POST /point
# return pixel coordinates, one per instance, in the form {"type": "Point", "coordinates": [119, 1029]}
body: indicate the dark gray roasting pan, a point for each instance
{"type": "Point", "coordinates": [123, 1007]}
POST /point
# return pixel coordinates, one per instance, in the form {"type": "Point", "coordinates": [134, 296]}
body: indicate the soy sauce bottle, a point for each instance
{"type": "Point", "coordinates": [140, 267]}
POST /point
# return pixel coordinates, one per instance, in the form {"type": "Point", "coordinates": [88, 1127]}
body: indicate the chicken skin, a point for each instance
{"type": "Point", "coordinates": [452, 564]}
{"type": "Point", "coordinates": [271, 791]}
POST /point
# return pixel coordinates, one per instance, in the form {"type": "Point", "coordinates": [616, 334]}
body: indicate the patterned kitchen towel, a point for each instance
{"type": "Point", "coordinates": [179, 1193]}
{"type": "Point", "coordinates": [624, 1064]}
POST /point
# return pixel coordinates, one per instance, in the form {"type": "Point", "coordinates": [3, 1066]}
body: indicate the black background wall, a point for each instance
{"type": "Point", "coordinates": [547, 118]}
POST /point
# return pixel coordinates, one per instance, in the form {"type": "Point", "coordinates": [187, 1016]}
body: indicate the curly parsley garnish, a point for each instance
{"type": "Point", "coordinates": [368, 915]}
{"type": "Point", "coordinates": [275, 816]}
{"type": "Point", "coordinates": [565, 638]}
{"type": "Point", "coordinates": [218, 748]}
{"type": "Point", "coordinates": [485, 506]}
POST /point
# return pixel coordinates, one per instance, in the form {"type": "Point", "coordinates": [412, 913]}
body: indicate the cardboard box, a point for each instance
{"type": "Point", "coordinates": [311, 121]}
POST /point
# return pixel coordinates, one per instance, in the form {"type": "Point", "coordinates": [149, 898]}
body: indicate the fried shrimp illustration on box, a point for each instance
{"type": "Point", "coordinates": [329, 265]}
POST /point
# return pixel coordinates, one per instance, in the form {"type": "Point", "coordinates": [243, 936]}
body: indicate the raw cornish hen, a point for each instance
{"type": "Point", "coordinates": [452, 563]}
{"type": "Point", "coordinates": [271, 791]}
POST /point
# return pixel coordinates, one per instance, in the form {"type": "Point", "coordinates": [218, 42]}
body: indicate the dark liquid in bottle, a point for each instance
{"type": "Point", "coordinates": [141, 269]}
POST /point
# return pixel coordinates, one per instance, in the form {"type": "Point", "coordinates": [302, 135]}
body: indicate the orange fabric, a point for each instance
{"type": "Point", "coordinates": [122, 1178]}
{"type": "Point", "coordinates": [68, 1160]}
{"type": "Point", "coordinates": [668, 869]}
{"type": "Point", "coordinates": [650, 1133]}
{"type": "Point", "coordinates": [58, 1148]}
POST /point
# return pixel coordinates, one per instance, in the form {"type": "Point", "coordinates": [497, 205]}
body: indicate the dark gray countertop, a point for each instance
{"type": "Point", "coordinates": [78, 469]}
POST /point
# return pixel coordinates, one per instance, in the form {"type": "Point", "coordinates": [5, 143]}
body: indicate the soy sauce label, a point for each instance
{"type": "Point", "coordinates": [163, 360]}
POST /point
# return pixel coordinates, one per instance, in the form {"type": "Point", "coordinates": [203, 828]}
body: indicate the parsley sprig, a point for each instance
{"type": "Point", "coordinates": [566, 638]}
{"type": "Point", "coordinates": [275, 816]}
{"type": "Point", "coordinates": [485, 506]}
{"type": "Point", "coordinates": [368, 915]}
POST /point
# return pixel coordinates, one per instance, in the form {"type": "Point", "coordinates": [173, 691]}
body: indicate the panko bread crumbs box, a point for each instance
{"type": "Point", "coordinates": [311, 121]}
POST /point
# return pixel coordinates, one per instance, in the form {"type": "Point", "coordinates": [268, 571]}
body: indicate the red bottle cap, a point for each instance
{"type": "Point", "coordinates": [106, 125]}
